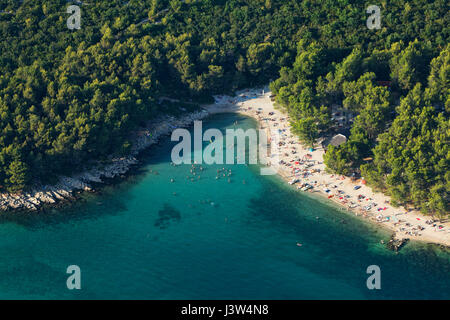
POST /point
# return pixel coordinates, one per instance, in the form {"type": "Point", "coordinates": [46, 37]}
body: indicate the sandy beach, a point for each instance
{"type": "Point", "coordinates": [295, 162]}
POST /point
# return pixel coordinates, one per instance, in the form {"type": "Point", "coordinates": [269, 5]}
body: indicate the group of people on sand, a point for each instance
{"type": "Point", "coordinates": [297, 166]}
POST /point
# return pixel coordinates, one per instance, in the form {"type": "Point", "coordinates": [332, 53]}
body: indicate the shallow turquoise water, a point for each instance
{"type": "Point", "coordinates": [140, 240]}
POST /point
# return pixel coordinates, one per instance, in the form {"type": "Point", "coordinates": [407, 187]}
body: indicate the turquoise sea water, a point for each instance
{"type": "Point", "coordinates": [149, 238]}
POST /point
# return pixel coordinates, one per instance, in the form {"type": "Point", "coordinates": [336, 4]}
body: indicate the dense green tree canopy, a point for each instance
{"type": "Point", "coordinates": [367, 77]}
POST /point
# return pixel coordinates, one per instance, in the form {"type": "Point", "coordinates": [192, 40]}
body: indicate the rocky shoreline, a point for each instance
{"type": "Point", "coordinates": [66, 188]}
{"type": "Point", "coordinates": [395, 243]}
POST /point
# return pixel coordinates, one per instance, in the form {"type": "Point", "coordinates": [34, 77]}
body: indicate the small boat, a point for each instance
{"type": "Point", "coordinates": [299, 244]}
{"type": "Point", "coordinates": [293, 181]}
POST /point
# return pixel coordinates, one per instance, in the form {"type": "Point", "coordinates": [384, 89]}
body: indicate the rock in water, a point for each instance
{"type": "Point", "coordinates": [395, 244]}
